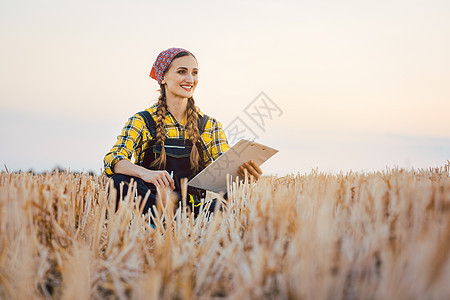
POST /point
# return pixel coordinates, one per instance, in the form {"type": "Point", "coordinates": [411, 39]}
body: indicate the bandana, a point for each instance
{"type": "Point", "coordinates": [162, 62]}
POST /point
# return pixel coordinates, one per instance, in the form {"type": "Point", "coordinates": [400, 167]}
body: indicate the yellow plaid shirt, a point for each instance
{"type": "Point", "coordinates": [135, 136]}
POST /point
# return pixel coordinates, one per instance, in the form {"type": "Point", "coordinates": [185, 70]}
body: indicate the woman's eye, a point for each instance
{"type": "Point", "coordinates": [184, 71]}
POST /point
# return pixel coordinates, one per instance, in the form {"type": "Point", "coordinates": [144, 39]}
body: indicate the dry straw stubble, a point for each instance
{"type": "Point", "coordinates": [314, 236]}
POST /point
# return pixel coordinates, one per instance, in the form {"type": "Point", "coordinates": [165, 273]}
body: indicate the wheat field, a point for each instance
{"type": "Point", "coordinates": [379, 235]}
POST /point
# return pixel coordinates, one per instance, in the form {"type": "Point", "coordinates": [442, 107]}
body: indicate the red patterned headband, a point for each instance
{"type": "Point", "coordinates": [162, 62]}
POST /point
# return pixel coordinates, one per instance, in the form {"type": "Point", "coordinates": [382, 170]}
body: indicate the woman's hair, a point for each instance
{"type": "Point", "coordinates": [191, 124]}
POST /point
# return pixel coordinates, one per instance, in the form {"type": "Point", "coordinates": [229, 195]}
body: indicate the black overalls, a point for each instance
{"type": "Point", "coordinates": [178, 153]}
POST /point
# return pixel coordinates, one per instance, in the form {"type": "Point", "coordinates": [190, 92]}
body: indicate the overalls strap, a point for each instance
{"type": "Point", "coordinates": [149, 122]}
{"type": "Point", "coordinates": [201, 123]}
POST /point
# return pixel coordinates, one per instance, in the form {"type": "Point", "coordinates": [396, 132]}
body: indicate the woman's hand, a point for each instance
{"type": "Point", "coordinates": [253, 169]}
{"type": "Point", "coordinates": [160, 179]}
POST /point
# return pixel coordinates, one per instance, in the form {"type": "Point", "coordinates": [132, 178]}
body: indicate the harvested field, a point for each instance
{"type": "Point", "coordinates": [381, 235]}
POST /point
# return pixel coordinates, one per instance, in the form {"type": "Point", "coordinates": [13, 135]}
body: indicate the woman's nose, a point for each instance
{"type": "Point", "coordinates": [189, 78]}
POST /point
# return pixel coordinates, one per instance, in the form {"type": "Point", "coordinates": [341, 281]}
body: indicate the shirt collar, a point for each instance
{"type": "Point", "coordinates": [199, 112]}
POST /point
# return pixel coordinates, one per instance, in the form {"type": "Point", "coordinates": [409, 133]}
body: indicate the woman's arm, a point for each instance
{"type": "Point", "coordinates": [118, 159]}
{"type": "Point", "coordinates": [129, 141]}
{"type": "Point", "coordinates": [158, 178]}
{"type": "Point", "coordinates": [219, 143]}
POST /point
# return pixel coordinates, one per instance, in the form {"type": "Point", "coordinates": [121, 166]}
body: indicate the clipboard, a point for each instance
{"type": "Point", "coordinates": [214, 176]}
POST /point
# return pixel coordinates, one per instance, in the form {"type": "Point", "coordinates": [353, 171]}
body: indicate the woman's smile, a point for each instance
{"type": "Point", "coordinates": [187, 87]}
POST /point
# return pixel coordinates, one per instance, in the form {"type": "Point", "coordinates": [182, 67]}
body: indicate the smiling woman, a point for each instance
{"type": "Point", "coordinates": [172, 139]}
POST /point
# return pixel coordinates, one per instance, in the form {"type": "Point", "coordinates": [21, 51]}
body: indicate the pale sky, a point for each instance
{"type": "Point", "coordinates": [361, 84]}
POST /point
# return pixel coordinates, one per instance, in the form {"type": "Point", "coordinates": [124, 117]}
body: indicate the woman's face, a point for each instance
{"type": "Point", "coordinates": [182, 77]}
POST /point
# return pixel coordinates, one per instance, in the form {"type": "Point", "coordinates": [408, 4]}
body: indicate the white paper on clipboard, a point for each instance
{"type": "Point", "coordinates": [214, 177]}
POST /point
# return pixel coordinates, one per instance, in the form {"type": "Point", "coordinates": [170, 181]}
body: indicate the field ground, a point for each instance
{"type": "Point", "coordinates": [383, 235]}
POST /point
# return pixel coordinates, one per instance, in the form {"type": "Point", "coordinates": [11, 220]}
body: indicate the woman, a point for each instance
{"type": "Point", "coordinates": [172, 139]}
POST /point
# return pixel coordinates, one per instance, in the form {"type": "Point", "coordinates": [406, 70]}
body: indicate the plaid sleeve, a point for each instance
{"type": "Point", "coordinates": [128, 142]}
{"type": "Point", "coordinates": [218, 144]}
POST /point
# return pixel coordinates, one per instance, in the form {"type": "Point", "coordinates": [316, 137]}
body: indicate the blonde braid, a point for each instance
{"type": "Point", "coordinates": [194, 136]}
{"type": "Point", "coordinates": [160, 129]}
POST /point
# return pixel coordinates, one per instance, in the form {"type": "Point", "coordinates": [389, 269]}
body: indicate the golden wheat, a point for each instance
{"type": "Point", "coordinates": [380, 235]}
